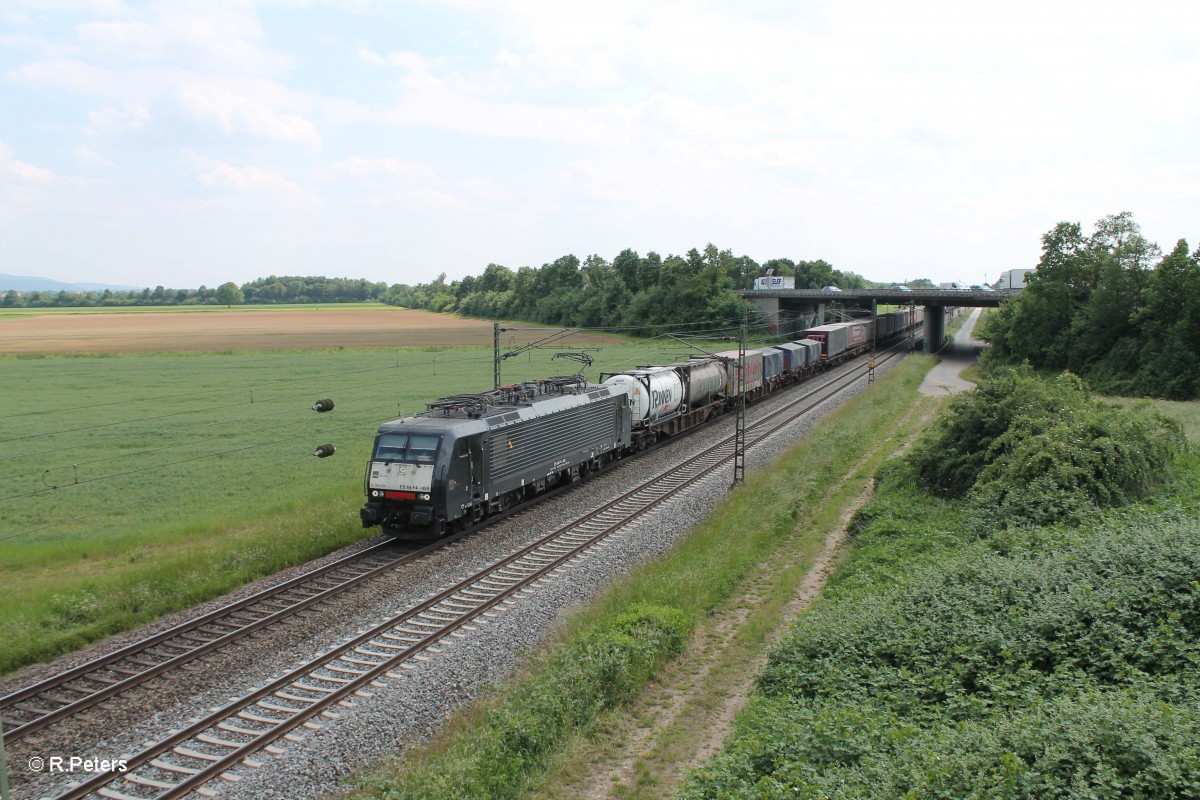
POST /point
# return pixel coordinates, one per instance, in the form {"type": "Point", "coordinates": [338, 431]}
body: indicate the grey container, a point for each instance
{"type": "Point", "coordinates": [795, 356]}
{"type": "Point", "coordinates": [833, 338]}
{"type": "Point", "coordinates": [772, 363]}
{"type": "Point", "coordinates": [813, 348]}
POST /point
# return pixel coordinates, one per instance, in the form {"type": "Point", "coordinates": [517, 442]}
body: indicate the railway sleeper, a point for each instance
{"type": "Point", "coordinates": [460, 605]}
{"type": "Point", "coordinates": [106, 791]}
{"type": "Point", "coordinates": [310, 688]}
{"type": "Point", "coordinates": [422, 634]}
{"type": "Point", "coordinates": [226, 726]}
{"type": "Point", "coordinates": [29, 709]}
{"type": "Point", "coordinates": [433, 625]}
{"type": "Point", "coordinates": [344, 670]}
{"type": "Point", "coordinates": [210, 739]}
{"type": "Point", "coordinates": [151, 782]}
{"type": "Point", "coordinates": [395, 648]}
{"type": "Point", "coordinates": [285, 709]}
{"type": "Point", "coordinates": [360, 661]}
{"type": "Point", "coordinates": [158, 763]}
{"type": "Point", "coordinates": [272, 721]}
{"type": "Point", "coordinates": [103, 680]}
{"type": "Point", "coordinates": [196, 754]}
{"type": "Point", "coordinates": [282, 695]}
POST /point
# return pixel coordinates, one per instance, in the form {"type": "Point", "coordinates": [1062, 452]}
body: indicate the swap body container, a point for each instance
{"type": "Point", "coordinates": [833, 339]}
{"type": "Point", "coordinates": [814, 349]}
{"type": "Point", "coordinates": [754, 371]}
{"type": "Point", "coordinates": [795, 356]}
{"type": "Point", "coordinates": [772, 363]}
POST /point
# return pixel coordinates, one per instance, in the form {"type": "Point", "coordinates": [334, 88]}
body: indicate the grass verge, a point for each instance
{"type": "Point", "coordinates": [504, 743]}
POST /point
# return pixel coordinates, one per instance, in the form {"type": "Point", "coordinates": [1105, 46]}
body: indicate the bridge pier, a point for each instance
{"type": "Point", "coordinates": [935, 327]}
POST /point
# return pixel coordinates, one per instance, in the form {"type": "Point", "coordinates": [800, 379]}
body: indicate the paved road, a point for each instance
{"type": "Point", "coordinates": [962, 353]}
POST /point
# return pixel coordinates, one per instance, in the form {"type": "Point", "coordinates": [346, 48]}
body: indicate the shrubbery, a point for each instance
{"type": "Point", "coordinates": [1025, 450]}
{"type": "Point", "coordinates": [1049, 665]}
{"type": "Point", "coordinates": [1029, 662]}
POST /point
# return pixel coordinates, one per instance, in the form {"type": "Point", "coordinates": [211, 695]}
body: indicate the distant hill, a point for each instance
{"type": "Point", "coordinates": [25, 283]}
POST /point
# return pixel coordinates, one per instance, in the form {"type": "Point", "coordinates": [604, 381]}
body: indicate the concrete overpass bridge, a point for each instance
{"type": "Point", "coordinates": [790, 311]}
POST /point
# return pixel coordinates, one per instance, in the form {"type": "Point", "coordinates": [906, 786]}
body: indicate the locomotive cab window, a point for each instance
{"type": "Point", "coordinates": [415, 449]}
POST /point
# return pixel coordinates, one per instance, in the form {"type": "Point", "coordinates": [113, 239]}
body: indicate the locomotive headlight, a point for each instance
{"type": "Point", "coordinates": [424, 497]}
{"type": "Point", "coordinates": [375, 493]}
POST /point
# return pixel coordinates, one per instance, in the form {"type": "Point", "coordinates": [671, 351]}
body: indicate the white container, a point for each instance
{"type": "Point", "coordinates": [654, 393]}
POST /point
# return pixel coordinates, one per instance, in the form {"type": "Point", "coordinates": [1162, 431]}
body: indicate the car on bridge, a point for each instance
{"type": "Point", "coordinates": [830, 289]}
{"type": "Point", "coordinates": [900, 287]}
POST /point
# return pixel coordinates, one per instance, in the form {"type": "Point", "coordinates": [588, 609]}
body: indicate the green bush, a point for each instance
{"type": "Point", "coordinates": [1030, 451]}
{"type": "Point", "coordinates": [1046, 664]}
{"type": "Point", "coordinates": [1098, 745]}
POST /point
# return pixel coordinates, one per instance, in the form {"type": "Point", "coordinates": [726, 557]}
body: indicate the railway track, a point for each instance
{"type": "Point", "coordinates": [68, 693]}
{"type": "Point", "coordinates": [73, 691]}
{"type": "Point", "coordinates": [224, 741]}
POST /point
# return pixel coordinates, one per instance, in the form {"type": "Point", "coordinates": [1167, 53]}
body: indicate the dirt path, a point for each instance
{"type": "Point", "coordinates": [944, 378]}
{"type": "Point", "coordinates": [647, 750]}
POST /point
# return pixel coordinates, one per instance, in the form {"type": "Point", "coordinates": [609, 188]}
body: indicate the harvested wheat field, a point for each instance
{"type": "Point", "coordinates": [221, 329]}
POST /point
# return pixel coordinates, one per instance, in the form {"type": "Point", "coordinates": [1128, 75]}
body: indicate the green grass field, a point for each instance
{"type": "Point", "coordinates": [135, 485]}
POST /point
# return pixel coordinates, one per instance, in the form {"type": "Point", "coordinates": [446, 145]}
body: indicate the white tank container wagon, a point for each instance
{"type": "Point", "coordinates": [668, 400]}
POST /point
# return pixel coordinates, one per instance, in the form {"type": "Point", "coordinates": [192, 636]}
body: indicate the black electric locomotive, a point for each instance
{"type": "Point", "coordinates": [473, 455]}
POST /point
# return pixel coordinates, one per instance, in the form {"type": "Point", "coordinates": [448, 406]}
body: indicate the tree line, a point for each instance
{"type": "Point", "coordinates": [632, 291]}
{"type": "Point", "coordinates": [285, 289]}
{"type": "Point", "coordinates": [641, 293]}
{"type": "Point", "coordinates": [1110, 308]}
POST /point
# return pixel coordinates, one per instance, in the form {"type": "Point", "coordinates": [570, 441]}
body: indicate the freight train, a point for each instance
{"type": "Point", "coordinates": [470, 456]}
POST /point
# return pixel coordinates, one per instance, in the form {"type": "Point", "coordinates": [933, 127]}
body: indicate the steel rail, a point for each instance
{"type": "Point", "coordinates": [15, 730]}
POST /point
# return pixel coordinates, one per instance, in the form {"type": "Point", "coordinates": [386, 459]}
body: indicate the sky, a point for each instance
{"type": "Point", "coordinates": [193, 142]}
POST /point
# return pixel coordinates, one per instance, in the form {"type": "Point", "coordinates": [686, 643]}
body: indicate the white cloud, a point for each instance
{"type": "Point", "coordinates": [90, 157]}
{"type": "Point", "coordinates": [371, 57]}
{"type": "Point", "coordinates": [388, 168]}
{"type": "Point", "coordinates": [507, 58]}
{"type": "Point", "coordinates": [65, 73]}
{"type": "Point", "coordinates": [387, 181]}
{"type": "Point", "coordinates": [256, 108]}
{"type": "Point", "coordinates": [27, 173]}
{"type": "Point", "coordinates": [249, 180]}
{"type": "Point", "coordinates": [114, 120]}
{"type": "Point", "coordinates": [134, 39]}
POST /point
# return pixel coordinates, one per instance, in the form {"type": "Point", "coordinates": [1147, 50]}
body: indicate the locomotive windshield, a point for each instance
{"type": "Point", "coordinates": [416, 448]}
